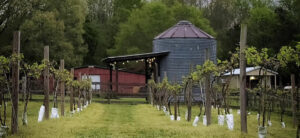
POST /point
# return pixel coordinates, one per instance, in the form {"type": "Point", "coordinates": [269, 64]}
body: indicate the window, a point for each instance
{"type": "Point", "coordinates": [96, 79]}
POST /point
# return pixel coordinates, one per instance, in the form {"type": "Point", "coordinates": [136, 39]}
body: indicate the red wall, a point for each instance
{"type": "Point", "coordinates": [128, 82]}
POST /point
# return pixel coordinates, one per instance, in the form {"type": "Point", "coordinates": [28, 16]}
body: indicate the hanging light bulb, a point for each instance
{"type": "Point", "coordinates": [123, 63]}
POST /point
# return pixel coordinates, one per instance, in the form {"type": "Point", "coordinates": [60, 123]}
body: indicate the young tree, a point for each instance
{"type": "Point", "coordinates": [264, 62]}
{"type": "Point", "coordinates": [4, 85]}
{"type": "Point", "coordinates": [205, 72]}
{"type": "Point", "coordinates": [175, 91]}
{"type": "Point", "coordinates": [188, 95]}
{"type": "Point", "coordinates": [33, 71]}
{"type": "Point", "coordinates": [290, 57]}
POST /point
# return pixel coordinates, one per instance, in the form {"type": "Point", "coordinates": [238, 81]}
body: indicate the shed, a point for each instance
{"type": "Point", "coordinates": [129, 83]}
{"type": "Point", "coordinates": [252, 74]}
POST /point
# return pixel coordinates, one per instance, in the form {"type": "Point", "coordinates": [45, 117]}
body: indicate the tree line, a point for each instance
{"type": "Point", "coordinates": [83, 32]}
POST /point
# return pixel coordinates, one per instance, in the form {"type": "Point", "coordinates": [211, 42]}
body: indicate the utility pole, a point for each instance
{"type": "Point", "coordinates": [243, 92]}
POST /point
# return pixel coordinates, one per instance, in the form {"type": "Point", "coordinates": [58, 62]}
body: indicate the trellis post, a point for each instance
{"type": "Point", "coordinates": [46, 82]}
{"type": "Point", "coordinates": [207, 92]}
{"type": "Point", "coordinates": [243, 92]}
{"type": "Point", "coordinates": [15, 83]}
{"type": "Point", "coordinates": [294, 100]}
{"type": "Point", "coordinates": [71, 91]}
{"type": "Point", "coordinates": [62, 88]}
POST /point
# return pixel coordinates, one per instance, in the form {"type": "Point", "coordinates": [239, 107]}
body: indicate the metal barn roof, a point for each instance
{"type": "Point", "coordinates": [248, 69]}
{"type": "Point", "coordinates": [184, 29]}
{"type": "Point", "coordinates": [135, 56]}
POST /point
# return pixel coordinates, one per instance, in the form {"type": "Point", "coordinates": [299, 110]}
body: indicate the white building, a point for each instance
{"type": "Point", "coordinates": [252, 74]}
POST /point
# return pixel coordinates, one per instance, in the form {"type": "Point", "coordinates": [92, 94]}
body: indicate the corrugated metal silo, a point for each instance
{"type": "Point", "coordinates": [187, 45]}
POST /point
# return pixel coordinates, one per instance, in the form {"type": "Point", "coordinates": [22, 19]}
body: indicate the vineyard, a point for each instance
{"type": "Point", "coordinates": [267, 107]}
{"type": "Point", "coordinates": [150, 68]}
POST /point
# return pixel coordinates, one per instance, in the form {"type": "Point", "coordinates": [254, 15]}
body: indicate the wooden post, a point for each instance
{"type": "Point", "coordinates": [189, 99]}
{"type": "Point", "coordinates": [62, 89]}
{"type": "Point", "coordinates": [156, 72]}
{"type": "Point", "coordinates": [46, 82]}
{"type": "Point", "coordinates": [117, 77]}
{"type": "Point", "coordinates": [15, 83]}
{"type": "Point", "coordinates": [110, 85]}
{"type": "Point", "coordinates": [207, 93]}
{"type": "Point", "coordinates": [84, 92]}
{"type": "Point", "coordinates": [79, 92]}
{"type": "Point", "coordinates": [110, 77]}
{"type": "Point", "coordinates": [175, 106]}
{"type": "Point", "coordinates": [294, 100]}
{"type": "Point", "coordinates": [71, 92]}
{"type": "Point", "coordinates": [243, 92]}
{"type": "Point", "coordinates": [146, 71]}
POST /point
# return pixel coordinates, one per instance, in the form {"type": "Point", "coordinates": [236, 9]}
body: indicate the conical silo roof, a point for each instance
{"type": "Point", "coordinates": [184, 29]}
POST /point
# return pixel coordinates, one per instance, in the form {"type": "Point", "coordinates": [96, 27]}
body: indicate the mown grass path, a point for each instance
{"type": "Point", "coordinates": [133, 120]}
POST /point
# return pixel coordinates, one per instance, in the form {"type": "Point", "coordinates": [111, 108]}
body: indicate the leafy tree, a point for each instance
{"type": "Point", "coordinates": [144, 24]}
{"type": "Point", "coordinates": [102, 25]}
{"type": "Point", "coordinates": [13, 14]}
{"type": "Point", "coordinates": [204, 73]}
{"type": "Point", "coordinates": [96, 39]}
{"type": "Point", "coordinates": [44, 29]}
{"type": "Point", "coordinates": [62, 18]}
{"type": "Point", "coordinates": [72, 13]}
{"type": "Point", "coordinates": [262, 24]}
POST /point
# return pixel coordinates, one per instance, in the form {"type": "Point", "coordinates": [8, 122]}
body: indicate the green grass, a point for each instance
{"type": "Point", "coordinates": [136, 120]}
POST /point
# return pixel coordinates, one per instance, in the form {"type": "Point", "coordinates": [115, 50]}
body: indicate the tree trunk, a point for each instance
{"type": "Point", "coordinates": [23, 88]}
{"type": "Point", "coordinates": [26, 100]}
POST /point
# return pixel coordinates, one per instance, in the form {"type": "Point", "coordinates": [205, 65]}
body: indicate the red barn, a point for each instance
{"type": "Point", "coordinates": [128, 83]}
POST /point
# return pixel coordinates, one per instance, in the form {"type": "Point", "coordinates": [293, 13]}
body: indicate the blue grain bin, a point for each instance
{"type": "Point", "coordinates": [187, 45]}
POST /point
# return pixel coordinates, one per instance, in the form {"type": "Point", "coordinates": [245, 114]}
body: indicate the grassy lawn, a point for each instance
{"type": "Point", "coordinates": [132, 119]}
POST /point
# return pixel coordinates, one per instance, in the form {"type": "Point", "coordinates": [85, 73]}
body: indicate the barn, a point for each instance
{"type": "Point", "coordinates": [128, 83]}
